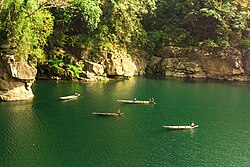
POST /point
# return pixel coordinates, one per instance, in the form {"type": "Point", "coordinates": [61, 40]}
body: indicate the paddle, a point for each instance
{"type": "Point", "coordinates": [119, 111]}
{"type": "Point", "coordinates": [152, 100]}
{"type": "Point", "coordinates": [124, 116]}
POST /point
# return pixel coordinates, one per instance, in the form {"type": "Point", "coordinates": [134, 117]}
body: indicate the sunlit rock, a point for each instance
{"type": "Point", "coordinates": [230, 68]}
{"type": "Point", "coordinates": [124, 65]}
{"type": "Point", "coordinates": [16, 79]}
{"type": "Point", "coordinates": [98, 69]}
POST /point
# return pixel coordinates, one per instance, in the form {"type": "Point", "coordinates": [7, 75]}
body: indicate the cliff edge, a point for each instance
{"type": "Point", "coordinates": [16, 78]}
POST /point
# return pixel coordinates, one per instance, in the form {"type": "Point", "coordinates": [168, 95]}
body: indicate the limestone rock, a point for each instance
{"type": "Point", "coordinates": [25, 71]}
{"type": "Point", "coordinates": [205, 67]}
{"type": "Point", "coordinates": [17, 93]}
{"type": "Point", "coordinates": [98, 69]}
{"type": "Point", "coordinates": [223, 68]}
{"type": "Point", "coordinates": [152, 66]}
{"type": "Point", "coordinates": [128, 67]}
{"type": "Point", "coordinates": [141, 65]}
{"type": "Point", "coordinates": [114, 67]}
{"type": "Point", "coordinates": [100, 78]}
{"type": "Point", "coordinates": [181, 67]}
{"type": "Point", "coordinates": [124, 65]}
{"type": "Point", "coordinates": [246, 63]}
{"type": "Point", "coordinates": [90, 75]}
{"type": "Point", "coordinates": [16, 79]}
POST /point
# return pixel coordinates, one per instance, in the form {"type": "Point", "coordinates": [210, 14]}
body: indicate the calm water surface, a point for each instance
{"type": "Point", "coordinates": [48, 132]}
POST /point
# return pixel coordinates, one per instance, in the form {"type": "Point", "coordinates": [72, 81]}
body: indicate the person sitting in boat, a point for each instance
{"type": "Point", "coordinates": [118, 112]}
{"type": "Point", "coordinates": [134, 99]}
{"type": "Point", "coordinates": [192, 124]}
{"type": "Point", "coordinates": [152, 99]}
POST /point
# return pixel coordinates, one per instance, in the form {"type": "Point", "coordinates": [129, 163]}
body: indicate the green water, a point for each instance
{"type": "Point", "coordinates": [48, 132]}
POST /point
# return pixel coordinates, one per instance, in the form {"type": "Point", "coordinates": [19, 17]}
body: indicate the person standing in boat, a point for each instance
{"type": "Point", "coordinates": [134, 99]}
{"type": "Point", "coordinates": [192, 124]}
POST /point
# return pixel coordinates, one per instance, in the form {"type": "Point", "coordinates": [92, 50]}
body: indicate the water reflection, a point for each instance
{"type": "Point", "coordinates": [125, 89]}
{"type": "Point", "coordinates": [49, 132]}
{"type": "Point", "coordinates": [19, 127]}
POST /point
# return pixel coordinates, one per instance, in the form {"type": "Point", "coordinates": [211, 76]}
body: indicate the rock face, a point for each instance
{"type": "Point", "coordinates": [181, 67]}
{"type": "Point", "coordinates": [98, 69]}
{"type": "Point", "coordinates": [124, 65]}
{"type": "Point", "coordinates": [16, 79]}
{"type": "Point", "coordinates": [112, 66]}
{"type": "Point", "coordinates": [246, 64]}
{"type": "Point", "coordinates": [224, 68]}
{"type": "Point", "coordinates": [224, 64]}
{"type": "Point", "coordinates": [206, 67]}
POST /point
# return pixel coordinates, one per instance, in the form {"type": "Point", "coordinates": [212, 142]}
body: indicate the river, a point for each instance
{"type": "Point", "coordinates": [46, 132]}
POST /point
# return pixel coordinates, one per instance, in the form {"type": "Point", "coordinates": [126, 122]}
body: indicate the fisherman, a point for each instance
{"type": "Point", "coordinates": [152, 99]}
{"type": "Point", "coordinates": [192, 124]}
{"type": "Point", "coordinates": [118, 112]}
{"type": "Point", "coordinates": [134, 99]}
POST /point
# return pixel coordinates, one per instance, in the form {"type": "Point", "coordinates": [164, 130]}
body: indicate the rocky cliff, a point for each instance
{"type": "Point", "coordinates": [124, 65]}
{"type": "Point", "coordinates": [114, 65]}
{"type": "Point", "coordinates": [16, 79]}
{"type": "Point", "coordinates": [202, 65]}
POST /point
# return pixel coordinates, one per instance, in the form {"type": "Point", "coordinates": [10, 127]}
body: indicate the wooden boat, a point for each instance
{"type": "Point", "coordinates": [107, 114]}
{"type": "Point", "coordinates": [118, 113]}
{"type": "Point", "coordinates": [76, 95]}
{"type": "Point", "coordinates": [136, 101]}
{"type": "Point", "coordinates": [181, 127]}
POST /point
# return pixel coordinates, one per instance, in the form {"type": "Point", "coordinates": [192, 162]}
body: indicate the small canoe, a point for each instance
{"type": "Point", "coordinates": [180, 127]}
{"type": "Point", "coordinates": [136, 101]}
{"type": "Point", "coordinates": [70, 97]}
{"type": "Point", "coordinates": [107, 114]}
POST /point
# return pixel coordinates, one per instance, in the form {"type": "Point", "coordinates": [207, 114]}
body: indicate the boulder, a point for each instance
{"type": "Point", "coordinates": [124, 65]}
{"type": "Point", "coordinates": [128, 67]}
{"type": "Point", "coordinates": [16, 79]}
{"type": "Point", "coordinates": [114, 67]}
{"type": "Point", "coordinates": [98, 69]}
{"type": "Point", "coordinates": [90, 75]}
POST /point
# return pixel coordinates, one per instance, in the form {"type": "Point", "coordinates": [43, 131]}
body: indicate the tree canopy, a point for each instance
{"type": "Point", "coordinates": [94, 26]}
{"type": "Point", "coordinates": [192, 23]}
{"type": "Point", "coordinates": [25, 26]}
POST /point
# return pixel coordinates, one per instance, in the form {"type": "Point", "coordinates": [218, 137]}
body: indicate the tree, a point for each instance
{"type": "Point", "coordinates": [25, 26]}
{"type": "Point", "coordinates": [98, 24]}
{"type": "Point", "coordinates": [124, 21]}
{"type": "Point", "coordinates": [192, 23]}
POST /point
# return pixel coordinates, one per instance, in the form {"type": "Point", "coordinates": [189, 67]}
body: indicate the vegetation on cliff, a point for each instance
{"type": "Point", "coordinates": [210, 25]}
{"type": "Point", "coordinates": [62, 34]}
{"type": "Point", "coordinates": [24, 27]}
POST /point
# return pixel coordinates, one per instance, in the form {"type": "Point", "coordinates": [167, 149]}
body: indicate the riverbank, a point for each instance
{"type": "Point", "coordinates": [18, 76]}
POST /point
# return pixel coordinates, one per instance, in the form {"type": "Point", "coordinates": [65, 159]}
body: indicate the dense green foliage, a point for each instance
{"type": "Point", "coordinates": [209, 24]}
{"type": "Point", "coordinates": [24, 27]}
{"type": "Point", "coordinates": [89, 29]}
{"type": "Point", "coordinates": [95, 26]}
